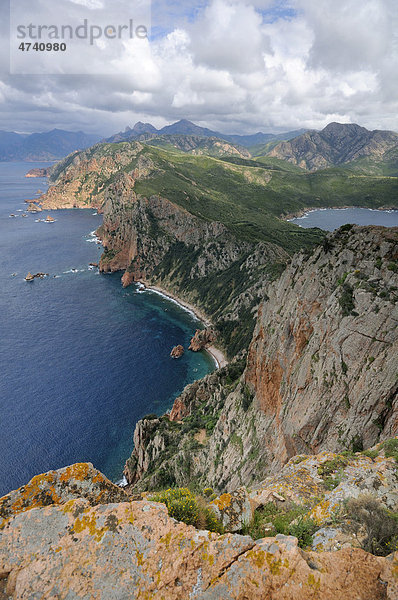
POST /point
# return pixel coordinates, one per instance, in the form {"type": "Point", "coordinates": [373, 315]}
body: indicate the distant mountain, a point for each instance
{"type": "Point", "coordinates": [145, 131]}
{"type": "Point", "coordinates": [50, 145]}
{"type": "Point", "coordinates": [200, 145]}
{"type": "Point", "coordinates": [340, 144]}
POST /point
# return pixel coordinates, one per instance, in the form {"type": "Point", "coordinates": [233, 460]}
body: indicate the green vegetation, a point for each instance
{"type": "Point", "coordinates": [346, 300]}
{"type": "Point", "coordinates": [375, 526]}
{"type": "Point", "coordinates": [331, 466]}
{"type": "Point", "coordinates": [291, 520]}
{"type": "Point", "coordinates": [185, 506]}
{"type": "Point", "coordinates": [390, 448]}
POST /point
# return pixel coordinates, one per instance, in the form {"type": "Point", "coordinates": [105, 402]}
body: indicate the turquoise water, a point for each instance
{"type": "Point", "coordinates": [81, 358]}
{"type": "Point", "coordinates": [330, 218]}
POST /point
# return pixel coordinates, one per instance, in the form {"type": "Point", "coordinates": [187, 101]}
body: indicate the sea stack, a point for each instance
{"type": "Point", "coordinates": [177, 351]}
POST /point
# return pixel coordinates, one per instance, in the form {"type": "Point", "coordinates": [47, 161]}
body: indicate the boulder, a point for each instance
{"type": "Point", "coordinates": [233, 510]}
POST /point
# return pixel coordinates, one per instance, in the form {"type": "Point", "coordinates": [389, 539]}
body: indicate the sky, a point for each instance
{"type": "Point", "coordinates": [236, 66]}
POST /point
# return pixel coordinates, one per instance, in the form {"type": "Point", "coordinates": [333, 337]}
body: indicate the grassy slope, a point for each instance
{"type": "Point", "coordinates": [250, 196]}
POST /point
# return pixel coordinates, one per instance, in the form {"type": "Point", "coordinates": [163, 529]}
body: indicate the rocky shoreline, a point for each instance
{"type": "Point", "coordinates": [216, 353]}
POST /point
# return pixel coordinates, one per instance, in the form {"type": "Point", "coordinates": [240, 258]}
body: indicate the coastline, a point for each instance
{"type": "Point", "coordinates": [306, 211]}
{"type": "Point", "coordinates": [217, 355]}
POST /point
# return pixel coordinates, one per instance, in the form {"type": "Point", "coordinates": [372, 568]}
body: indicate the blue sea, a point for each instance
{"type": "Point", "coordinates": [81, 359]}
{"type": "Point", "coordinates": [330, 219]}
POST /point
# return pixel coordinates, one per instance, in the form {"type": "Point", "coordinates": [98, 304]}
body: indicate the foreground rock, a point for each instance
{"type": "Point", "coordinates": [80, 480]}
{"type": "Point", "coordinates": [130, 550]}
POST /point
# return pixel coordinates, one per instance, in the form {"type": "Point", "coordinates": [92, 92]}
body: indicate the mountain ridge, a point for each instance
{"type": "Point", "coordinates": [44, 146]}
{"type": "Point", "coordinates": [337, 144]}
{"type": "Point", "coordinates": [186, 127]}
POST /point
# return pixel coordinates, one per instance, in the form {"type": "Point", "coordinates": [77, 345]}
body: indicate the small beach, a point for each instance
{"type": "Point", "coordinates": [217, 354]}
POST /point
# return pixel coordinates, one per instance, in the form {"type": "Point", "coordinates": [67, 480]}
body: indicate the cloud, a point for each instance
{"type": "Point", "coordinates": [233, 65]}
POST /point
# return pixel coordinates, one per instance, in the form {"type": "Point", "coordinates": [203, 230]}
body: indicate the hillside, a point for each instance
{"type": "Point", "coordinates": [341, 144]}
{"type": "Point", "coordinates": [196, 224]}
{"type": "Point", "coordinates": [47, 146]}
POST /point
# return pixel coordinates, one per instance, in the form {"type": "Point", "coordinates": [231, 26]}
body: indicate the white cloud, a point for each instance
{"type": "Point", "coordinates": [234, 65]}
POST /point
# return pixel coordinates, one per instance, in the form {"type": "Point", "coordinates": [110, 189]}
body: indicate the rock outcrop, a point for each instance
{"type": "Point", "coordinates": [34, 208]}
{"type": "Point", "coordinates": [57, 544]}
{"type": "Point", "coordinates": [177, 351]}
{"type": "Point", "coordinates": [80, 480]}
{"type": "Point", "coordinates": [38, 173]}
{"type": "Point", "coordinates": [322, 363]}
{"type": "Point", "coordinates": [202, 339]}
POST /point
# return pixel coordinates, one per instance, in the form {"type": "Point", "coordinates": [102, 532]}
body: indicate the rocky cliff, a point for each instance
{"type": "Point", "coordinates": [158, 243]}
{"type": "Point", "coordinates": [320, 374]}
{"type": "Point", "coordinates": [337, 144]}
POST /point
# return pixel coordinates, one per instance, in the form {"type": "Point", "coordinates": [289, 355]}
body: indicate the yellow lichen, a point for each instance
{"type": "Point", "coordinates": [78, 471]}
{"type": "Point", "coordinates": [258, 557]}
{"type": "Point", "coordinates": [89, 523]}
{"type": "Point", "coordinates": [223, 502]}
{"type": "Point", "coordinates": [313, 582]}
{"type": "Point", "coordinates": [273, 563]}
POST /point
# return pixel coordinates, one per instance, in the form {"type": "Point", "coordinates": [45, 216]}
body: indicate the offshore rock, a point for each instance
{"type": "Point", "coordinates": [34, 208]}
{"type": "Point", "coordinates": [177, 351]}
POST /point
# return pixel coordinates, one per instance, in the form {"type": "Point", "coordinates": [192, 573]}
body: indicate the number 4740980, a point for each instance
{"type": "Point", "coordinates": [42, 47]}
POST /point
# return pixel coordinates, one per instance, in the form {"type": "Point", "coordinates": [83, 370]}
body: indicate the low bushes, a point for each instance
{"type": "Point", "coordinates": [185, 506]}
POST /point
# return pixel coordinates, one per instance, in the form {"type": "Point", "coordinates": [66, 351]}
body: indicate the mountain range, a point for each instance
{"type": "Point", "coordinates": [185, 127]}
{"type": "Point", "coordinates": [46, 146]}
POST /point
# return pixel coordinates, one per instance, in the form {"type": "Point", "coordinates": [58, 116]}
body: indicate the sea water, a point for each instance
{"type": "Point", "coordinates": [81, 358]}
{"type": "Point", "coordinates": [330, 219]}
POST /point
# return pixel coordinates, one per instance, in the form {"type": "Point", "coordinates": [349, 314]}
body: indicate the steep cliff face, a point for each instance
{"type": "Point", "coordinates": [81, 179]}
{"type": "Point", "coordinates": [159, 243]}
{"type": "Point", "coordinates": [320, 374]}
{"type": "Point", "coordinates": [322, 363]}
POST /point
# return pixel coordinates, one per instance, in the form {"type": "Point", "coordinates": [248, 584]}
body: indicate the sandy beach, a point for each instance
{"type": "Point", "coordinates": [217, 355]}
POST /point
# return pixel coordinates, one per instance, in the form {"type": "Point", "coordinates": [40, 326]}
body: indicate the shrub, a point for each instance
{"type": "Point", "coordinates": [247, 397]}
{"type": "Point", "coordinates": [379, 526]}
{"type": "Point", "coordinates": [184, 506]}
{"type": "Point", "coordinates": [303, 529]}
{"type": "Point", "coordinates": [370, 453]}
{"type": "Point", "coordinates": [288, 521]}
{"type": "Point", "coordinates": [181, 504]}
{"type": "Point", "coordinates": [346, 299]}
{"type": "Point", "coordinates": [331, 466]}
{"type": "Point", "coordinates": [391, 448]}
